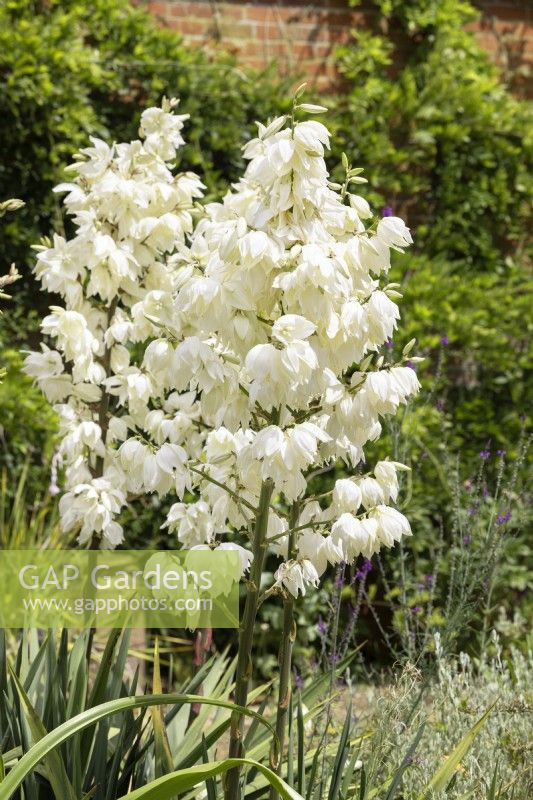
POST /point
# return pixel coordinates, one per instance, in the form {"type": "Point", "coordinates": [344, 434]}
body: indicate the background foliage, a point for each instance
{"type": "Point", "coordinates": [449, 148]}
{"type": "Point", "coordinates": [70, 69]}
{"type": "Point", "coordinates": [446, 144]}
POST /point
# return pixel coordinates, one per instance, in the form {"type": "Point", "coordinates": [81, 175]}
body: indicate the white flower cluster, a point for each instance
{"type": "Point", "coordinates": [264, 327]}
{"type": "Point", "coordinates": [115, 276]}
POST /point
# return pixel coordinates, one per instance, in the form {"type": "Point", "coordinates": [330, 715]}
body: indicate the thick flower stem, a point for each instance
{"type": "Point", "coordinates": [285, 661]}
{"type": "Point", "coordinates": [103, 418]}
{"type": "Point", "coordinates": [244, 658]}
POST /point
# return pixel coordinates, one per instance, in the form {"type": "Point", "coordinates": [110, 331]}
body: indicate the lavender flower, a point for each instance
{"type": "Point", "coordinates": [339, 577]}
{"type": "Point", "coordinates": [387, 211]}
{"type": "Point", "coordinates": [502, 519]}
{"type": "Point", "coordinates": [364, 569]}
{"type": "Point", "coordinates": [444, 340]}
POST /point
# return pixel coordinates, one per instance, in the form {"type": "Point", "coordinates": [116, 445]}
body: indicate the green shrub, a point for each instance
{"type": "Point", "coordinates": [70, 69]}
{"type": "Point", "coordinates": [28, 426]}
{"type": "Point", "coordinates": [447, 145]}
{"type": "Point", "coordinates": [481, 376]}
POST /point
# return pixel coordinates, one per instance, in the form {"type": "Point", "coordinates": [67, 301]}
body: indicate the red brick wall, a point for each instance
{"type": "Point", "coordinates": [301, 35]}
{"type": "Point", "coordinates": [505, 29]}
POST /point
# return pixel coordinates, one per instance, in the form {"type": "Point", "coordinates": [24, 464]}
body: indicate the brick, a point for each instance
{"type": "Point", "coordinates": [509, 13]}
{"type": "Point", "coordinates": [286, 14]}
{"type": "Point", "coordinates": [253, 49]}
{"type": "Point", "coordinates": [235, 30]}
{"type": "Point", "coordinates": [258, 13]}
{"type": "Point", "coordinates": [194, 10]}
{"type": "Point", "coordinates": [280, 31]}
{"type": "Point", "coordinates": [312, 51]}
{"type": "Point", "coordinates": [257, 63]}
{"type": "Point", "coordinates": [520, 7]}
{"type": "Point", "coordinates": [159, 9]}
{"type": "Point", "coordinates": [178, 11]}
{"type": "Point", "coordinates": [190, 27]}
{"type": "Point", "coordinates": [268, 31]}
{"type": "Point", "coordinates": [229, 11]}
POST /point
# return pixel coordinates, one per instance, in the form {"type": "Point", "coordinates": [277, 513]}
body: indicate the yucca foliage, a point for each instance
{"type": "Point", "coordinates": [47, 681]}
{"type": "Point", "coordinates": [71, 729]}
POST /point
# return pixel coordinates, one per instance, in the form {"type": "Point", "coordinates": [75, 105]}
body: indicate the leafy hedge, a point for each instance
{"type": "Point", "coordinates": [28, 428]}
{"type": "Point", "coordinates": [69, 69]}
{"type": "Point", "coordinates": [449, 148]}
{"type": "Point", "coordinates": [446, 144]}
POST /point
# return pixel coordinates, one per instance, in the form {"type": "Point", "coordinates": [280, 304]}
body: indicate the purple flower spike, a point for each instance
{"type": "Point", "coordinates": [467, 540]}
{"type": "Point", "coordinates": [484, 455]}
{"type": "Point", "coordinates": [501, 453]}
{"type": "Point", "coordinates": [389, 344]}
{"type": "Point", "coordinates": [364, 569]}
{"type": "Point", "coordinates": [339, 578]}
{"type": "Point", "coordinates": [387, 211]}
{"type": "Point", "coordinates": [322, 627]}
{"type": "Point", "coordinates": [416, 610]}
{"type": "Point", "coordinates": [502, 519]}
{"type": "Point", "coordinates": [444, 340]}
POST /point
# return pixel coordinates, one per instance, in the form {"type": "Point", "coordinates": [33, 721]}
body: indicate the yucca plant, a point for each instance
{"type": "Point", "coordinates": [48, 684]}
